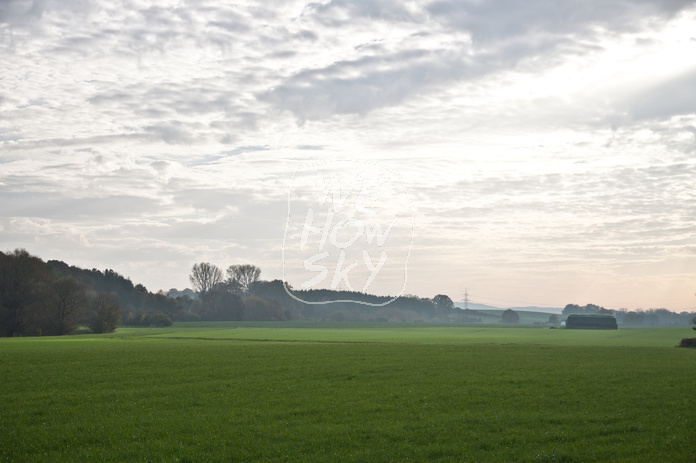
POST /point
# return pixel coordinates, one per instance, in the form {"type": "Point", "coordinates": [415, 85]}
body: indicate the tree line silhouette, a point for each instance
{"type": "Point", "coordinates": [53, 298]}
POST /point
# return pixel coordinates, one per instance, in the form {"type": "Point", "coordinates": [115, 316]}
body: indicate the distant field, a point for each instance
{"type": "Point", "coordinates": [342, 392]}
{"type": "Point", "coordinates": [414, 334]}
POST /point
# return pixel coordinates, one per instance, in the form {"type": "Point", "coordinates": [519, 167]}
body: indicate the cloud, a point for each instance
{"type": "Point", "coordinates": [491, 38]}
{"type": "Point", "coordinates": [673, 97]}
{"type": "Point", "coordinates": [168, 131]}
{"type": "Point", "coordinates": [509, 19]}
{"type": "Point", "coordinates": [59, 206]}
{"type": "Point", "coordinates": [169, 99]}
{"type": "Point", "coordinates": [384, 81]}
{"type": "Point", "coordinates": [173, 133]}
{"type": "Point", "coordinates": [337, 12]}
{"type": "Point", "coordinates": [20, 11]}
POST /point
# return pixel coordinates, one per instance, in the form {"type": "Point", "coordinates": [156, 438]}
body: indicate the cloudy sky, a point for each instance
{"type": "Point", "coordinates": [547, 149]}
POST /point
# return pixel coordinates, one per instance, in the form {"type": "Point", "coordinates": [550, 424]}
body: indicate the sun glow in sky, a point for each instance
{"type": "Point", "coordinates": [548, 150]}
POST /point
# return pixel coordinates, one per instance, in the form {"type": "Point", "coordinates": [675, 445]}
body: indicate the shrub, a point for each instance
{"type": "Point", "coordinates": [105, 313]}
{"type": "Point", "coordinates": [688, 342]}
{"type": "Point", "coordinates": [157, 320]}
{"type": "Point", "coordinates": [154, 320]}
{"type": "Point", "coordinates": [183, 316]}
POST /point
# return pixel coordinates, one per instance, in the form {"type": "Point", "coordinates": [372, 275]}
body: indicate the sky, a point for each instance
{"type": "Point", "coordinates": [531, 153]}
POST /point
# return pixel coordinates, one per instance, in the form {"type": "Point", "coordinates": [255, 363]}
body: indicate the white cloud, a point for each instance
{"type": "Point", "coordinates": [554, 141]}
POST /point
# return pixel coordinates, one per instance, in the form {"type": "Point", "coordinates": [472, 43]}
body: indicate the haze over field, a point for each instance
{"type": "Point", "coordinates": [547, 150]}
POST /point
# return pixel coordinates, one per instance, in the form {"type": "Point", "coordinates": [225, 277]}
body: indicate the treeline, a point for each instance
{"type": "Point", "coordinates": [37, 299]}
{"type": "Point", "coordinates": [53, 298]}
{"type": "Point", "coordinates": [240, 294]}
{"type": "Point", "coordinates": [137, 305]}
{"type": "Point", "coordinates": [637, 317]}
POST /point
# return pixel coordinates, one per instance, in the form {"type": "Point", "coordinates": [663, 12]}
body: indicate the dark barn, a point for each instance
{"type": "Point", "coordinates": [591, 322]}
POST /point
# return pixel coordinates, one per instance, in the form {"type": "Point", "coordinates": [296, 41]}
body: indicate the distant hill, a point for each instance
{"type": "Point", "coordinates": [475, 306]}
{"type": "Point", "coordinates": [493, 316]}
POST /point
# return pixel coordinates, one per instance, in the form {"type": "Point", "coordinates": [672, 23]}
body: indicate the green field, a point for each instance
{"type": "Point", "coordinates": [349, 392]}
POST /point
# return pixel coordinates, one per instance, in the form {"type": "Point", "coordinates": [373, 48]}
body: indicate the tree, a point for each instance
{"type": "Point", "coordinates": [258, 309]}
{"type": "Point", "coordinates": [205, 277]}
{"type": "Point", "coordinates": [68, 306]}
{"type": "Point", "coordinates": [510, 317]}
{"type": "Point", "coordinates": [225, 306]}
{"type": "Point", "coordinates": [693, 322]}
{"type": "Point", "coordinates": [105, 313]}
{"type": "Point", "coordinates": [587, 309]}
{"type": "Point", "coordinates": [572, 308]}
{"type": "Point", "coordinates": [141, 288]}
{"type": "Point", "coordinates": [553, 319]}
{"type": "Point", "coordinates": [593, 308]}
{"type": "Point", "coordinates": [242, 278]}
{"type": "Point", "coordinates": [443, 303]}
{"type": "Point", "coordinates": [443, 306]}
{"type": "Point", "coordinates": [23, 279]}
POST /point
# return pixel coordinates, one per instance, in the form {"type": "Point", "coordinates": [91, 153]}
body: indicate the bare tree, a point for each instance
{"type": "Point", "coordinates": [242, 277]}
{"type": "Point", "coordinates": [205, 277]}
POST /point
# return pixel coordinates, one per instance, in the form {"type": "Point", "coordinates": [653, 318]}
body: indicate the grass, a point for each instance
{"type": "Point", "coordinates": [200, 393]}
{"type": "Point", "coordinates": [415, 334]}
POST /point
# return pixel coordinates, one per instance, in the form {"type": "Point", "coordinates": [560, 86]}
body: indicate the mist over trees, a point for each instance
{"type": "Point", "coordinates": [231, 299]}
{"type": "Point", "coordinates": [648, 317]}
{"type": "Point", "coordinates": [53, 298]}
{"type": "Point", "coordinates": [243, 296]}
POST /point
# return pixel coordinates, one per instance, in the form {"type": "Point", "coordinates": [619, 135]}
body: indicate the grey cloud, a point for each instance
{"type": "Point", "coordinates": [244, 200]}
{"type": "Point", "coordinates": [231, 229]}
{"type": "Point", "coordinates": [28, 13]}
{"type": "Point", "coordinates": [657, 198]}
{"type": "Point", "coordinates": [230, 21]}
{"type": "Point", "coordinates": [337, 12]}
{"type": "Point", "coordinates": [20, 11]}
{"type": "Point", "coordinates": [671, 98]}
{"type": "Point", "coordinates": [210, 199]}
{"type": "Point", "coordinates": [173, 133]}
{"type": "Point", "coordinates": [506, 35]}
{"type": "Point", "coordinates": [384, 81]}
{"type": "Point", "coordinates": [22, 144]}
{"type": "Point", "coordinates": [236, 122]}
{"type": "Point", "coordinates": [241, 214]}
{"type": "Point", "coordinates": [140, 32]}
{"type": "Point", "coordinates": [244, 149]}
{"type": "Point", "coordinates": [61, 207]}
{"type": "Point", "coordinates": [489, 21]}
{"type": "Point", "coordinates": [192, 98]}
{"type": "Point", "coordinates": [387, 80]}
